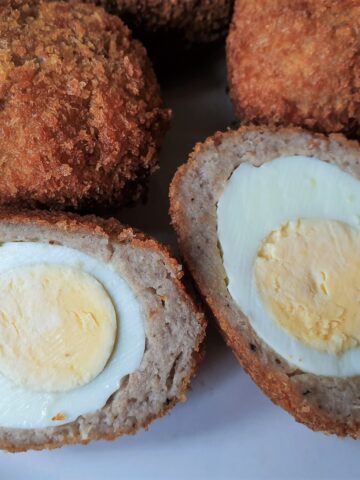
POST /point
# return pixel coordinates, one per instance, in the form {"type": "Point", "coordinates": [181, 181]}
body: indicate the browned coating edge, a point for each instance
{"type": "Point", "coordinates": [189, 22]}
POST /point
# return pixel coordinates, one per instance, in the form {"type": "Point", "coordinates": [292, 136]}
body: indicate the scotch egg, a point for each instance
{"type": "Point", "coordinates": [98, 336]}
{"type": "Point", "coordinates": [268, 223]}
{"type": "Point", "coordinates": [289, 232]}
{"type": "Point", "coordinates": [70, 329]}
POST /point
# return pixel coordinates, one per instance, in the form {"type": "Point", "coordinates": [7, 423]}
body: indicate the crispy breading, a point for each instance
{"type": "Point", "coordinates": [192, 21]}
{"type": "Point", "coordinates": [296, 62]}
{"type": "Point", "coordinates": [81, 117]}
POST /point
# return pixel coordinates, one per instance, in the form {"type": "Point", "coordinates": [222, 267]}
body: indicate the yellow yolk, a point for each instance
{"type": "Point", "coordinates": [57, 327]}
{"type": "Point", "coordinates": [308, 275]}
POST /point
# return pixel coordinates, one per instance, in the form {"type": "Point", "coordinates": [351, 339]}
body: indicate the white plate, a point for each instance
{"type": "Point", "coordinates": [227, 429]}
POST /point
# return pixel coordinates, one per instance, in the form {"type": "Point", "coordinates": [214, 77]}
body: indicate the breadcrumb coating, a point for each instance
{"type": "Point", "coordinates": [296, 62]}
{"type": "Point", "coordinates": [191, 21]}
{"type": "Point", "coordinates": [81, 117]}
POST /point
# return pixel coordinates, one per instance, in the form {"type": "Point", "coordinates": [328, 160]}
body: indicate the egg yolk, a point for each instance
{"type": "Point", "coordinates": [308, 276]}
{"type": "Point", "coordinates": [57, 327]}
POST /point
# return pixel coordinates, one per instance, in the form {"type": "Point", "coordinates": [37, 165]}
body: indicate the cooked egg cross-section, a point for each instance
{"type": "Point", "coordinates": [71, 328]}
{"type": "Point", "coordinates": [308, 275]}
{"type": "Point", "coordinates": [289, 232]}
{"type": "Point", "coordinates": [57, 327]}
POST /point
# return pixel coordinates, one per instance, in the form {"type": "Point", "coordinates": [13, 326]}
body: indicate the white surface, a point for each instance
{"type": "Point", "coordinates": [227, 429]}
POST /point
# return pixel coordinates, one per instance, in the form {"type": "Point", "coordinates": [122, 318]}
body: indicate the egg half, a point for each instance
{"type": "Point", "coordinates": [71, 328]}
{"type": "Point", "coordinates": [289, 233]}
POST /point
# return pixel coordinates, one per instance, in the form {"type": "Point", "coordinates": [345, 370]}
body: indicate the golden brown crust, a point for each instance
{"type": "Point", "coordinates": [275, 380]}
{"type": "Point", "coordinates": [81, 117]}
{"type": "Point", "coordinates": [193, 21]}
{"type": "Point", "coordinates": [296, 62]}
{"type": "Point", "coordinates": [112, 230]}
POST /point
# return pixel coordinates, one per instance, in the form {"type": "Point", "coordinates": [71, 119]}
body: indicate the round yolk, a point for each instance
{"type": "Point", "coordinates": [57, 327]}
{"type": "Point", "coordinates": [308, 276]}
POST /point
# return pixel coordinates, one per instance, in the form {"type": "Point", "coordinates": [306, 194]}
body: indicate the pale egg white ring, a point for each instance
{"type": "Point", "coordinates": [257, 201]}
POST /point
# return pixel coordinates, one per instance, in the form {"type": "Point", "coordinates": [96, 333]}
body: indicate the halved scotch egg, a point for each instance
{"type": "Point", "coordinates": [268, 222]}
{"type": "Point", "coordinates": [97, 334]}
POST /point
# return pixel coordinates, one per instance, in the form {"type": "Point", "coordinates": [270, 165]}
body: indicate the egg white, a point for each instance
{"type": "Point", "coordinates": [22, 408]}
{"type": "Point", "coordinates": [259, 200]}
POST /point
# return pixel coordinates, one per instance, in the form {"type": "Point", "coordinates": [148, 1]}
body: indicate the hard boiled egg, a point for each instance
{"type": "Point", "coordinates": [70, 329]}
{"type": "Point", "coordinates": [289, 232]}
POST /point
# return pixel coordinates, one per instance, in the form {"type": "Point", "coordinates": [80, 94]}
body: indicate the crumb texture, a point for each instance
{"type": "Point", "coordinates": [81, 117]}
{"type": "Point", "coordinates": [296, 62]}
{"type": "Point", "coordinates": [196, 21]}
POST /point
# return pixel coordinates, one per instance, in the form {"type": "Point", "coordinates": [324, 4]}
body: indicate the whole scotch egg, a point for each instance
{"type": "Point", "coordinates": [81, 118]}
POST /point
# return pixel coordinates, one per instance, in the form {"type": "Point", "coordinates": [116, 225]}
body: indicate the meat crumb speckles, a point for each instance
{"type": "Point", "coordinates": [81, 117]}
